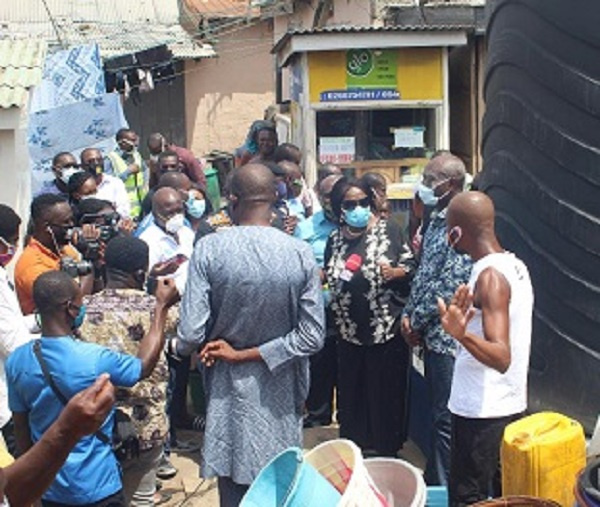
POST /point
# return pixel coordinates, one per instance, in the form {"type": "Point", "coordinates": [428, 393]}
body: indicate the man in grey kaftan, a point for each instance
{"type": "Point", "coordinates": [255, 288]}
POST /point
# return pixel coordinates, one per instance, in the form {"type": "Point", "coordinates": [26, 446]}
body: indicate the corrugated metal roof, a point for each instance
{"type": "Point", "coordinates": [118, 27]}
{"type": "Point", "coordinates": [21, 63]}
{"type": "Point", "coordinates": [366, 29]}
{"type": "Point", "coordinates": [388, 28]}
{"type": "Point", "coordinates": [471, 14]}
{"type": "Point", "coordinates": [429, 3]}
{"type": "Point", "coordinates": [222, 8]}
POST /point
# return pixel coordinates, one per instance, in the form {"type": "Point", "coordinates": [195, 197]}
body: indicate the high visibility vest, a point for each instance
{"type": "Point", "coordinates": [136, 184]}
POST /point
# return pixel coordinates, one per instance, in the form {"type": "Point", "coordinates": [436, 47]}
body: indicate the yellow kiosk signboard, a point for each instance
{"type": "Point", "coordinates": [376, 75]}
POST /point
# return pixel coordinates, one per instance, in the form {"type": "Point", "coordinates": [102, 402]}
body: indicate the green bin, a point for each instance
{"type": "Point", "coordinates": [212, 187]}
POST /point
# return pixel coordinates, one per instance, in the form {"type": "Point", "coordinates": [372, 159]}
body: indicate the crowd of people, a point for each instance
{"type": "Point", "coordinates": [302, 305]}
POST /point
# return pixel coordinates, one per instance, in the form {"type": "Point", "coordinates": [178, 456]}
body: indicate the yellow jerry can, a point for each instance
{"type": "Point", "coordinates": [541, 457]}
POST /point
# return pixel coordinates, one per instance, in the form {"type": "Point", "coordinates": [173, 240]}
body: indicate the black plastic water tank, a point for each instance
{"type": "Point", "coordinates": [541, 149]}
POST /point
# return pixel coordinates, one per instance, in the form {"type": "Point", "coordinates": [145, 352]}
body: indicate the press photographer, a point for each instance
{"type": "Point", "coordinates": [97, 223]}
{"type": "Point", "coordinates": [49, 249]}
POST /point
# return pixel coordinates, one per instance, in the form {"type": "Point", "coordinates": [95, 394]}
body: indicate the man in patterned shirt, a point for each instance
{"type": "Point", "coordinates": [441, 271]}
{"type": "Point", "coordinates": [118, 318]}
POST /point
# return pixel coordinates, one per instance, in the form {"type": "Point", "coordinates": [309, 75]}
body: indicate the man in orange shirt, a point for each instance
{"type": "Point", "coordinates": [52, 218]}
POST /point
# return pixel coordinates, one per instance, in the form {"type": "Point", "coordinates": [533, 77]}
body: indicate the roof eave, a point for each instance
{"type": "Point", "coordinates": [292, 43]}
{"type": "Point", "coordinates": [472, 16]}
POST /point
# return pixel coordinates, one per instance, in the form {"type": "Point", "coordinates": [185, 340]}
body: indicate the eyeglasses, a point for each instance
{"type": "Point", "coordinates": [93, 162]}
{"type": "Point", "coordinates": [432, 184]}
{"type": "Point", "coordinates": [351, 204]}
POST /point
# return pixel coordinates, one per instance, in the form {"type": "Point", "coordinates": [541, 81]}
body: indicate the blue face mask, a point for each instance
{"type": "Point", "coordinates": [80, 317]}
{"type": "Point", "coordinates": [357, 217]}
{"type": "Point", "coordinates": [195, 207]}
{"type": "Point", "coordinates": [427, 195]}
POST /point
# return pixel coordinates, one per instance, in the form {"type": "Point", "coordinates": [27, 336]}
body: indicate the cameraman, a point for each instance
{"type": "Point", "coordinates": [49, 249]}
{"type": "Point", "coordinates": [97, 223]}
{"type": "Point", "coordinates": [103, 214]}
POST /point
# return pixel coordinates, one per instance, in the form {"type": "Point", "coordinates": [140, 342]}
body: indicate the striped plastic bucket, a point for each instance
{"type": "Point", "coordinates": [341, 463]}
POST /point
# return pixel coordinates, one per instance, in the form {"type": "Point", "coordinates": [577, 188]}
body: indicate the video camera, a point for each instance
{"type": "Point", "coordinates": [74, 268]}
{"type": "Point", "coordinates": [107, 224]}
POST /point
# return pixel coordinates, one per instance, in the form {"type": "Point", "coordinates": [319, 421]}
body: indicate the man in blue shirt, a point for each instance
{"type": "Point", "coordinates": [440, 273]}
{"type": "Point", "coordinates": [316, 229]}
{"type": "Point", "coordinates": [323, 371]}
{"type": "Point", "coordinates": [64, 165]}
{"type": "Point", "coordinates": [23, 481]}
{"type": "Point", "coordinates": [91, 473]}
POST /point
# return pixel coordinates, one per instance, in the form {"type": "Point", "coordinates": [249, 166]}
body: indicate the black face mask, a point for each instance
{"type": "Point", "coordinates": [94, 169]}
{"type": "Point", "coordinates": [60, 234]}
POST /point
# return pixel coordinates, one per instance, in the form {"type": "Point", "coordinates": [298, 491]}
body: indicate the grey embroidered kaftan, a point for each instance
{"type": "Point", "coordinates": [254, 287]}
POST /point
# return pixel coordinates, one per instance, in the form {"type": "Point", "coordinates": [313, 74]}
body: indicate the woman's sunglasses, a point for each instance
{"type": "Point", "coordinates": [351, 204]}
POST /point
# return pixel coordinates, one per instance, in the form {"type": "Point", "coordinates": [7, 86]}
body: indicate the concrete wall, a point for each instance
{"type": "Point", "coordinates": [15, 177]}
{"type": "Point", "coordinates": [345, 12]}
{"type": "Point", "coordinates": [224, 95]}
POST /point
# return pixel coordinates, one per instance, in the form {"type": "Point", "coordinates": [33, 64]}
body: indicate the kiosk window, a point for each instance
{"type": "Point", "coordinates": [373, 131]}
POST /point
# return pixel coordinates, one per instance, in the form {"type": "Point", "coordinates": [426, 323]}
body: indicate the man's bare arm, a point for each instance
{"type": "Point", "coordinates": [153, 343]}
{"type": "Point", "coordinates": [492, 296]}
{"type": "Point", "coordinates": [22, 433]}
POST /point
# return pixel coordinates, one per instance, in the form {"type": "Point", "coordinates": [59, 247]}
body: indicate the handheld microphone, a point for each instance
{"type": "Point", "coordinates": [353, 264]}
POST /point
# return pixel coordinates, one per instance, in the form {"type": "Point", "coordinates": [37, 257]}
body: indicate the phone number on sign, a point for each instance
{"type": "Point", "coordinates": [377, 94]}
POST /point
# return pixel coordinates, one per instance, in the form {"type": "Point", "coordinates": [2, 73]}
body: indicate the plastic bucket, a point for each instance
{"type": "Point", "coordinates": [400, 483]}
{"type": "Point", "coordinates": [588, 486]}
{"type": "Point", "coordinates": [341, 463]}
{"type": "Point", "coordinates": [289, 481]}
{"type": "Point", "coordinates": [437, 496]}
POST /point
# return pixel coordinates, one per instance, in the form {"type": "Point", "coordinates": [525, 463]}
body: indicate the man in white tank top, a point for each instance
{"type": "Point", "coordinates": [491, 320]}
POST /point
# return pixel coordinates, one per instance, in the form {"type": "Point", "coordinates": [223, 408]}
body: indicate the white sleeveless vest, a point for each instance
{"type": "Point", "coordinates": [479, 391]}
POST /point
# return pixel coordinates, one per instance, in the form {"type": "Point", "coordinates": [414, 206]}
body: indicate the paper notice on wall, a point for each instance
{"type": "Point", "coordinates": [336, 150]}
{"type": "Point", "coordinates": [409, 137]}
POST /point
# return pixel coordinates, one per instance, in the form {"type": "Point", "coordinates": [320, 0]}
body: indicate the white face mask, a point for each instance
{"type": "Point", "coordinates": [174, 224]}
{"type": "Point", "coordinates": [83, 198]}
{"type": "Point", "coordinates": [4, 502]}
{"type": "Point", "coordinates": [65, 175]}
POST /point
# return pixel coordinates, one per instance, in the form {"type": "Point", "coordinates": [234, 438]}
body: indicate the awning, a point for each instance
{"type": "Point", "coordinates": [340, 37]}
